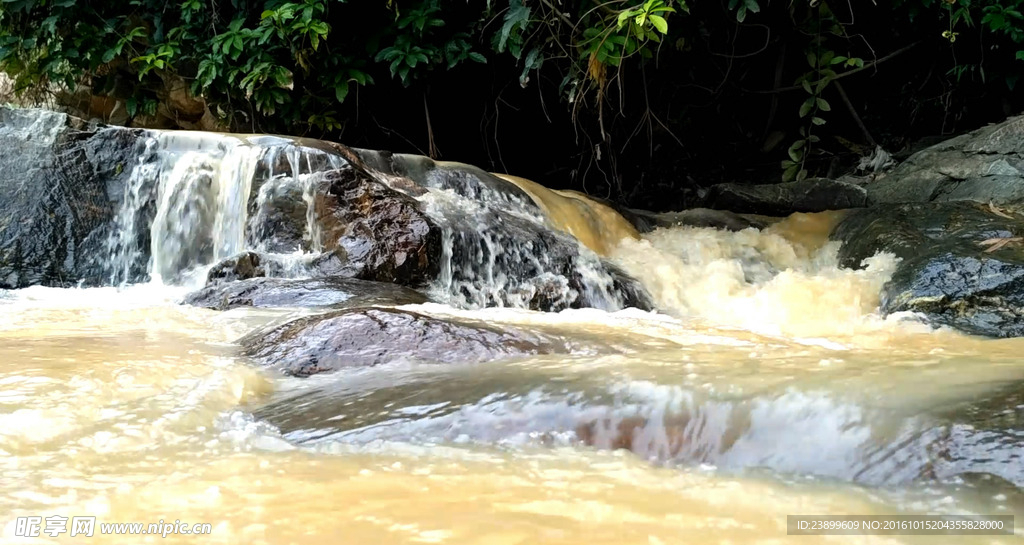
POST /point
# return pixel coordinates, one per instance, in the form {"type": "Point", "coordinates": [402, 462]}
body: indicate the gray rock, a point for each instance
{"type": "Point", "coordinates": [373, 336]}
{"type": "Point", "coordinates": [646, 222]}
{"type": "Point", "coordinates": [810, 195]}
{"type": "Point", "coordinates": [61, 180]}
{"type": "Point", "coordinates": [243, 266]}
{"type": "Point", "coordinates": [308, 292]}
{"type": "Point", "coordinates": [945, 272]}
{"type": "Point", "coordinates": [500, 236]}
{"type": "Point", "coordinates": [985, 165]}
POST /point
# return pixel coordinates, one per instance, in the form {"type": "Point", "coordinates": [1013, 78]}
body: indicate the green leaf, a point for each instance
{"type": "Point", "coordinates": [790, 173]}
{"type": "Point", "coordinates": [817, 121]}
{"type": "Point", "coordinates": [823, 105]}
{"type": "Point", "coordinates": [812, 59]}
{"type": "Point", "coordinates": [1020, 55]}
{"type": "Point", "coordinates": [794, 150]}
{"type": "Point", "coordinates": [478, 57]}
{"type": "Point", "coordinates": [623, 17]}
{"type": "Point", "coordinates": [807, 87]}
{"type": "Point", "coordinates": [805, 108]}
{"type": "Point", "coordinates": [659, 23]}
{"type": "Point", "coordinates": [341, 91]}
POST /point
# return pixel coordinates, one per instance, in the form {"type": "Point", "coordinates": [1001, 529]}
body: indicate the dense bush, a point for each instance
{"type": "Point", "coordinates": [793, 82]}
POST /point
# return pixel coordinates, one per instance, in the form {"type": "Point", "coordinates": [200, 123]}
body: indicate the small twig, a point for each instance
{"type": "Point", "coordinates": [434, 152]}
{"type": "Point", "coordinates": [844, 74]}
{"type": "Point", "coordinates": [853, 112]}
{"type": "Point", "coordinates": [560, 15]}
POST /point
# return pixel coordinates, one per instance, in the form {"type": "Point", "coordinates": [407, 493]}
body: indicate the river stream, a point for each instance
{"type": "Point", "coordinates": [764, 386]}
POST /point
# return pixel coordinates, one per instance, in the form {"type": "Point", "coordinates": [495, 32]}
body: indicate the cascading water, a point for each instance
{"type": "Point", "coordinates": [195, 199]}
{"type": "Point", "coordinates": [190, 197]}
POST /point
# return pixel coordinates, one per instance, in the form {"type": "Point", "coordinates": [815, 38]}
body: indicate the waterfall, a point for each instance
{"type": "Point", "coordinates": [189, 203]}
{"type": "Point", "coordinates": [195, 199]}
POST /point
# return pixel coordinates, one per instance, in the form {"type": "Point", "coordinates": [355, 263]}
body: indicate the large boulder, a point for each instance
{"type": "Point", "coordinates": [500, 248]}
{"type": "Point", "coordinates": [371, 336]}
{"type": "Point", "coordinates": [809, 195]}
{"type": "Point", "coordinates": [61, 183]}
{"type": "Point", "coordinates": [376, 233]}
{"type": "Point", "coordinates": [302, 292]}
{"type": "Point", "coordinates": [962, 264]}
{"type": "Point", "coordinates": [986, 165]}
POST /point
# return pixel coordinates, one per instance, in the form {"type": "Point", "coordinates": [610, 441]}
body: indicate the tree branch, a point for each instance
{"type": "Point", "coordinates": [844, 74]}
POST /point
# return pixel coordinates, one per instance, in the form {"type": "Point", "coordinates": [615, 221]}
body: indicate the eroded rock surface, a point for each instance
{"type": "Point", "coordinates": [372, 336]}
{"type": "Point", "coordinates": [303, 292]}
{"type": "Point", "coordinates": [986, 165]}
{"type": "Point", "coordinates": [783, 199]}
{"type": "Point", "coordinates": [962, 264]}
{"type": "Point", "coordinates": [61, 182]}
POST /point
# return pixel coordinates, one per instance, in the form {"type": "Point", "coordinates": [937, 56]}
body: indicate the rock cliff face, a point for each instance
{"type": "Point", "coordinates": [61, 183]}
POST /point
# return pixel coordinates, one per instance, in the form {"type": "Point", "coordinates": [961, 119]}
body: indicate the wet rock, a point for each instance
{"type": "Point", "coordinates": [503, 251]}
{"type": "Point", "coordinates": [280, 221]}
{"type": "Point", "coordinates": [309, 292]}
{"type": "Point", "coordinates": [986, 165]}
{"type": "Point", "coordinates": [810, 195]}
{"type": "Point", "coordinates": [373, 336]}
{"type": "Point", "coordinates": [961, 264]}
{"type": "Point", "coordinates": [646, 222]}
{"type": "Point", "coordinates": [985, 438]}
{"type": "Point", "coordinates": [377, 233]}
{"type": "Point", "coordinates": [61, 181]}
{"type": "Point", "coordinates": [240, 267]}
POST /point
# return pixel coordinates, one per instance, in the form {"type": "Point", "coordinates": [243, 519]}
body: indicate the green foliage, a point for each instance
{"type": "Point", "coordinates": [823, 63]}
{"type": "Point", "coordinates": [297, 61]}
{"type": "Point", "coordinates": [299, 66]}
{"type": "Point", "coordinates": [743, 7]}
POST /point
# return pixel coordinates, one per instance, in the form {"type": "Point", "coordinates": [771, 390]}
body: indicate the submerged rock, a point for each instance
{"type": "Point", "coordinates": [810, 195]}
{"type": "Point", "coordinates": [61, 181]}
{"type": "Point", "coordinates": [373, 336]}
{"type": "Point", "coordinates": [962, 264]}
{"type": "Point", "coordinates": [986, 165]}
{"type": "Point", "coordinates": [306, 292]}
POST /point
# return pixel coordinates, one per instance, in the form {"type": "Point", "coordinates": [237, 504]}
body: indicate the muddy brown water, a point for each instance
{"type": "Point", "coordinates": [766, 387]}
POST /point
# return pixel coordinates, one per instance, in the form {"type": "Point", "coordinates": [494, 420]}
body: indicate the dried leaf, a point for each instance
{"type": "Point", "coordinates": [998, 242]}
{"type": "Point", "coordinates": [992, 208]}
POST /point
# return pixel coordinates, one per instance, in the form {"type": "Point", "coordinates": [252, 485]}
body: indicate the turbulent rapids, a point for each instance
{"type": "Point", "coordinates": [298, 342]}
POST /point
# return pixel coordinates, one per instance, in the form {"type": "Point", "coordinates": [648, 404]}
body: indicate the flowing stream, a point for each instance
{"type": "Point", "coordinates": [765, 386]}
